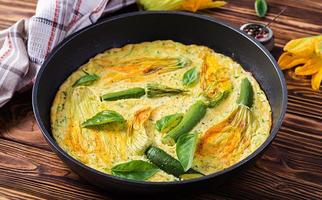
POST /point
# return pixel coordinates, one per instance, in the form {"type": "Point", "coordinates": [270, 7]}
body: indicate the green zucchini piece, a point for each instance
{"type": "Point", "coordinates": [164, 161]}
{"type": "Point", "coordinates": [132, 93]}
{"type": "Point", "coordinates": [192, 117]}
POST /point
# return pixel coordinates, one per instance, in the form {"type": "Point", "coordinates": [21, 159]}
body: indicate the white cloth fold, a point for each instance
{"type": "Point", "coordinates": [25, 45]}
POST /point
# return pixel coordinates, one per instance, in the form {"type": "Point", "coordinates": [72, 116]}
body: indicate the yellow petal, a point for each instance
{"type": "Point", "coordinates": [138, 138]}
{"type": "Point", "coordinates": [284, 59]}
{"type": "Point", "coordinates": [303, 47]}
{"type": "Point", "coordinates": [222, 139]}
{"type": "Point", "coordinates": [288, 60]}
{"type": "Point", "coordinates": [214, 76]}
{"type": "Point", "coordinates": [316, 80]}
{"type": "Point", "coordinates": [312, 66]}
{"type": "Point", "coordinates": [194, 5]}
{"type": "Point", "coordinates": [295, 62]}
{"type": "Point", "coordinates": [318, 48]}
{"type": "Point", "coordinates": [160, 4]}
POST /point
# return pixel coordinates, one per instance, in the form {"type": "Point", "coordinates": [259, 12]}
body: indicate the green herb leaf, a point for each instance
{"type": "Point", "coordinates": [135, 170]}
{"type": "Point", "coordinates": [186, 147]}
{"type": "Point", "coordinates": [246, 93]}
{"type": "Point", "coordinates": [190, 77]}
{"type": "Point", "coordinates": [168, 122]}
{"type": "Point", "coordinates": [156, 90]}
{"type": "Point", "coordinates": [104, 117]}
{"type": "Point", "coordinates": [86, 79]}
{"type": "Point", "coordinates": [261, 8]}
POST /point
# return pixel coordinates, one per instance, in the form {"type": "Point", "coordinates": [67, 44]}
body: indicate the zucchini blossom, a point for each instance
{"type": "Point", "coordinates": [188, 5]}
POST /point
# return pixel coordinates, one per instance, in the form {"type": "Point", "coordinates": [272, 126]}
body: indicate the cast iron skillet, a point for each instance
{"type": "Point", "coordinates": [138, 27]}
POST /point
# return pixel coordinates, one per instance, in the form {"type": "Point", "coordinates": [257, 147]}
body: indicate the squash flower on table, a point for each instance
{"type": "Point", "coordinates": [188, 5]}
{"type": "Point", "coordinates": [306, 55]}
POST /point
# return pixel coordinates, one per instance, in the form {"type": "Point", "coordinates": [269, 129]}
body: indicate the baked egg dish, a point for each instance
{"type": "Point", "coordinates": [160, 111]}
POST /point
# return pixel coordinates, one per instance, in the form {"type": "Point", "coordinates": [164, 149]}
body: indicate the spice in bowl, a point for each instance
{"type": "Point", "coordinates": [256, 31]}
{"type": "Point", "coordinates": [260, 32]}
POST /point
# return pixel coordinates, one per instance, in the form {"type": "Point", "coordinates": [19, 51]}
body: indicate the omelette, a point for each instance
{"type": "Point", "coordinates": [160, 111]}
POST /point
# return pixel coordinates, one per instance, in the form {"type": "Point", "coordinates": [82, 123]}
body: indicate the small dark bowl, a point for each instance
{"type": "Point", "coordinates": [268, 41]}
{"type": "Point", "coordinates": [149, 26]}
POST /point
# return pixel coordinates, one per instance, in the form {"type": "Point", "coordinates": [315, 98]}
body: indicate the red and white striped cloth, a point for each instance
{"type": "Point", "coordinates": [25, 45]}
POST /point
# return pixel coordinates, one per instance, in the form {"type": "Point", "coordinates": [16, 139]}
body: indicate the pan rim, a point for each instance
{"type": "Point", "coordinates": [53, 144]}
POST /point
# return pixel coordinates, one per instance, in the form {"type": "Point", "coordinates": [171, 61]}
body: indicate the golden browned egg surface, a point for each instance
{"type": "Point", "coordinates": [227, 133]}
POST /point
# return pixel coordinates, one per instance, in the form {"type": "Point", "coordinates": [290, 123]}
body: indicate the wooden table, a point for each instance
{"type": "Point", "coordinates": [290, 169]}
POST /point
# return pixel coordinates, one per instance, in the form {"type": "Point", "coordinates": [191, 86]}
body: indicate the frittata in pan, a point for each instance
{"type": "Point", "coordinates": [160, 111]}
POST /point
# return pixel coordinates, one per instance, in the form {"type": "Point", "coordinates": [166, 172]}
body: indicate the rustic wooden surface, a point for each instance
{"type": "Point", "coordinates": [290, 169]}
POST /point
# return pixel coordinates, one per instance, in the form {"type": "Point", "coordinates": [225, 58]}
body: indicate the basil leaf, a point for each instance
{"type": "Point", "coordinates": [190, 77]}
{"type": "Point", "coordinates": [135, 170]}
{"type": "Point", "coordinates": [246, 94]}
{"type": "Point", "coordinates": [261, 8]}
{"type": "Point", "coordinates": [185, 149]}
{"type": "Point", "coordinates": [165, 124]}
{"type": "Point", "coordinates": [86, 79]}
{"type": "Point", "coordinates": [104, 117]}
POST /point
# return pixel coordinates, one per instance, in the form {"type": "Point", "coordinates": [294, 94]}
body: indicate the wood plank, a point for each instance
{"type": "Point", "coordinates": [14, 10]}
{"type": "Point", "coordinates": [40, 173]}
{"type": "Point", "coordinates": [288, 26]}
{"type": "Point", "coordinates": [19, 124]}
{"type": "Point", "coordinates": [6, 194]}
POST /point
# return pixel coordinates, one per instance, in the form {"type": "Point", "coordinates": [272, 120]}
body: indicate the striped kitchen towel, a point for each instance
{"type": "Point", "coordinates": [25, 45]}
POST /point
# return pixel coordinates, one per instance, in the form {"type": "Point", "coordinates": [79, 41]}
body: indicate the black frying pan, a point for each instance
{"type": "Point", "coordinates": [149, 26]}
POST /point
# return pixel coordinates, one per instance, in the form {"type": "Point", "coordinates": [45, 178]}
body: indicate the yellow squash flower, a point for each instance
{"type": "Point", "coordinates": [214, 77]}
{"type": "Point", "coordinates": [306, 55]}
{"type": "Point", "coordinates": [228, 138]}
{"type": "Point", "coordinates": [188, 5]}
